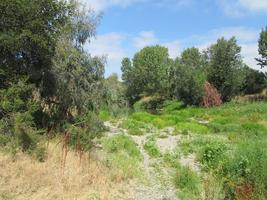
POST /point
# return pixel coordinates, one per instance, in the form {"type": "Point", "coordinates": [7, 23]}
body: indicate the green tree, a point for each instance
{"type": "Point", "coordinates": [192, 58]}
{"type": "Point", "coordinates": [78, 75]}
{"type": "Point", "coordinates": [225, 63]}
{"type": "Point", "coordinates": [115, 101]}
{"type": "Point", "coordinates": [148, 74]}
{"type": "Point", "coordinates": [263, 48]}
{"type": "Point", "coordinates": [28, 37]}
{"type": "Point", "coordinates": [187, 83]}
{"type": "Point", "coordinates": [254, 82]}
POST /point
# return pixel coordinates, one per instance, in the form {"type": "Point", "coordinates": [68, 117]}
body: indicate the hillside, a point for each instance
{"type": "Point", "coordinates": [179, 153]}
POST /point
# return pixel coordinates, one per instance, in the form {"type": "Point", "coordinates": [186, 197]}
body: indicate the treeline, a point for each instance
{"type": "Point", "coordinates": [206, 78]}
{"type": "Point", "coordinates": [48, 82]}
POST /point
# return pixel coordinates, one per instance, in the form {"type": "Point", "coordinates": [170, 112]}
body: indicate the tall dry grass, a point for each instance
{"type": "Point", "coordinates": [28, 179]}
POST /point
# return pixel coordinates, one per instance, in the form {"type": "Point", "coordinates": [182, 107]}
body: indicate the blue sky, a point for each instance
{"type": "Point", "coordinates": [129, 25]}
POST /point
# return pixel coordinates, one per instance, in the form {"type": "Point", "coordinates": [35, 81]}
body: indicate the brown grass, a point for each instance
{"type": "Point", "coordinates": [29, 179]}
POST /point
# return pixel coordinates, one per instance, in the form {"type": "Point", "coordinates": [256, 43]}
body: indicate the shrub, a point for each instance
{"type": "Point", "coordinates": [170, 106]}
{"type": "Point", "coordinates": [82, 133]}
{"type": "Point", "coordinates": [212, 154]}
{"type": "Point", "coordinates": [122, 143]}
{"type": "Point", "coordinates": [123, 157]}
{"type": "Point", "coordinates": [192, 127]}
{"type": "Point", "coordinates": [211, 96]}
{"type": "Point", "coordinates": [150, 104]}
{"type": "Point", "coordinates": [152, 149]}
{"type": "Point", "coordinates": [188, 183]}
{"type": "Point", "coordinates": [245, 173]}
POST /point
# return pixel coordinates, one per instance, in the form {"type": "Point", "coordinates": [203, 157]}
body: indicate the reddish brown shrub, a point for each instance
{"type": "Point", "coordinates": [211, 97]}
{"type": "Point", "coordinates": [244, 192]}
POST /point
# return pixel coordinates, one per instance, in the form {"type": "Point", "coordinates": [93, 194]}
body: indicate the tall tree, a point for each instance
{"type": "Point", "coordinates": [187, 83]}
{"type": "Point", "coordinates": [225, 62]}
{"type": "Point", "coordinates": [192, 58]}
{"type": "Point", "coordinates": [28, 37]}
{"type": "Point", "coordinates": [254, 82]}
{"type": "Point", "coordinates": [149, 72]}
{"type": "Point", "coordinates": [262, 61]}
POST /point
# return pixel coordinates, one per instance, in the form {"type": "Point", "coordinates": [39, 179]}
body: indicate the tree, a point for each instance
{"type": "Point", "coordinates": [225, 63]}
{"type": "Point", "coordinates": [28, 37]}
{"type": "Point", "coordinates": [148, 74]}
{"type": "Point", "coordinates": [192, 58]}
{"type": "Point", "coordinates": [263, 48]}
{"type": "Point", "coordinates": [78, 75]}
{"type": "Point", "coordinates": [254, 81]}
{"type": "Point", "coordinates": [115, 101]}
{"type": "Point", "coordinates": [187, 83]}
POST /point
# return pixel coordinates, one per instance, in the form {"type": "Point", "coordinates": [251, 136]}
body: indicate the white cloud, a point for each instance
{"type": "Point", "coordinates": [145, 38]}
{"type": "Point", "coordinates": [238, 8]}
{"type": "Point", "coordinates": [249, 53]}
{"type": "Point", "coordinates": [254, 5]}
{"type": "Point", "coordinates": [174, 48]}
{"type": "Point", "coordinates": [109, 45]}
{"type": "Point", "coordinates": [247, 39]}
{"type": "Point", "coordinates": [100, 5]}
{"type": "Point", "coordinates": [117, 46]}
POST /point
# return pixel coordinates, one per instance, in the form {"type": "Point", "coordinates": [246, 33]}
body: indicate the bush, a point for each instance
{"type": "Point", "coordinates": [245, 173]}
{"type": "Point", "coordinates": [212, 155]}
{"type": "Point", "coordinates": [122, 143]}
{"type": "Point", "coordinates": [123, 157]}
{"type": "Point", "coordinates": [152, 149]}
{"type": "Point", "coordinates": [150, 104]}
{"type": "Point", "coordinates": [188, 183]}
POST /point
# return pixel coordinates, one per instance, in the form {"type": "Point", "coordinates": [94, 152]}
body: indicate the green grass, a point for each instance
{"type": "Point", "coordinates": [122, 143]}
{"type": "Point", "coordinates": [123, 156]}
{"type": "Point", "coordinates": [229, 118]}
{"type": "Point", "coordinates": [188, 183]}
{"type": "Point", "coordinates": [230, 143]}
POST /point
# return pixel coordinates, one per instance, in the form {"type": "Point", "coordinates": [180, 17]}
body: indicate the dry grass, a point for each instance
{"type": "Point", "coordinates": [28, 179]}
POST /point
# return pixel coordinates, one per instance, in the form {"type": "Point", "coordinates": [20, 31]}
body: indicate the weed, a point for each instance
{"type": "Point", "coordinates": [151, 148]}
{"type": "Point", "coordinates": [122, 143]}
{"type": "Point", "coordinates": [188, 183]}
{"type": "Point", "coordinates": [191, 127]}
{"type": "Point", "coordinates": [212, 154]}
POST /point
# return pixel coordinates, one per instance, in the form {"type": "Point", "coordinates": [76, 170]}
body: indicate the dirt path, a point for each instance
{"type": "Point", "coordinates": [152, 188]}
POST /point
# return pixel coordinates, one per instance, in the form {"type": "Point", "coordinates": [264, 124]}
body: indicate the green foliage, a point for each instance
{"type": "Point", "coordinates": [263, 48]}
{"type": "Point", "coordinates": [93, 197]}
{"type": "Point", "coordinates": [224, 67]}
{"type": "Point", "coordinates": [246, 168]}
{"type": "Point", "coordinates": [123, 155]}
{"type": "Point", "coordinates": [135, 127]}
{"type": "Point", "coordinates": [170, 106]}
{"type": "Point", "coordinates": [150, 104]}
{"type": "Point", "coordinates": [148, 72]}
{"type": "Point", "coordinates": [28, 38]}
{"type": "Point", "coordinates": [82, 133]}
{"type": "Point", "coordinates": [192, 58]}
{"type": "Point", "coordinates": [212, 154]}
{"type": "Point", "coordinates": [187, 83]}
{"type": "Point", "coordinates": [188, 183]}
{"type": "Point", "coordinates": [191, 127]}
{"type": "Point", "coordinates": [254, 82]}
{"type": "Point", "coordinates": [122, 143]}
{"type": "Point", "coordinates": [114, 98]}
{"type": "Point", "coordinates": [151, 148]}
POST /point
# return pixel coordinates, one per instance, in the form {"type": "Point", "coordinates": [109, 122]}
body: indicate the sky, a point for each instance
{"type": "Point", "coordinates": [129, 25]}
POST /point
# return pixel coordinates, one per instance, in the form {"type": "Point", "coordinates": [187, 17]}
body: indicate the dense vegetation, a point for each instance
{"type": "Point", "coordinates": [51, 87]}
